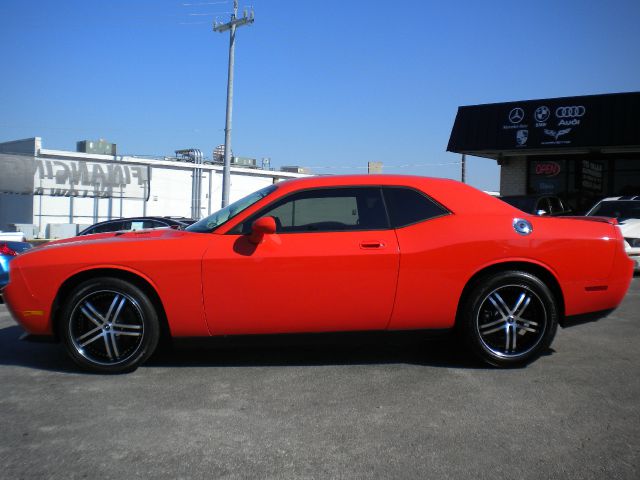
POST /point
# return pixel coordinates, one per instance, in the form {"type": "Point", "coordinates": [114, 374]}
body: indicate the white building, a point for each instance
{"type": "Point", "coordinates": [54, 193]}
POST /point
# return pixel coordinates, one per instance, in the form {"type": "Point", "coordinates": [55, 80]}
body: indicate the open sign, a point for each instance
{"type": "Point", "coordinates": [548, 169]}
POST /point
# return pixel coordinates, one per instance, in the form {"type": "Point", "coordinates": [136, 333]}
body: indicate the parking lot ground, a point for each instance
{"type": "Point", "coordinates": [371, 409]}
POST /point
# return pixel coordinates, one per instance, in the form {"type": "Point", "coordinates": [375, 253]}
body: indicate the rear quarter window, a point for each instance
{"type": "Point", "coordinates": [407, 206]}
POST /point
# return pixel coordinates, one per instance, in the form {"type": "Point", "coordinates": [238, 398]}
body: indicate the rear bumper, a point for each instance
{"type": "Point", "coordinates": [586, 297]}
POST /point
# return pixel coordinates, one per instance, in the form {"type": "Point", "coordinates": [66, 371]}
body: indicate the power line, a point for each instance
{"type": "Point", "coordinates": [385, 165]}
{"type": "Point", "coordinates": [204, 3]}
{"type": "Point", "coordinates": [207, 14]}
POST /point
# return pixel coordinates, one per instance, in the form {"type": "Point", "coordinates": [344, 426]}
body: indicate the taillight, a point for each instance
{"type": "Point", "coordinates": [5, 250]}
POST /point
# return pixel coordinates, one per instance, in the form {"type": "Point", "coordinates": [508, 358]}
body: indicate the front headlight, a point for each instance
{"type": "Point", "coordinates": [634, 242]}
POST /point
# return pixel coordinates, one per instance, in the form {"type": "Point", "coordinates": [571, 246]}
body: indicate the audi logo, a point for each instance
{"type": "Point", "coordinates": [570, 112]}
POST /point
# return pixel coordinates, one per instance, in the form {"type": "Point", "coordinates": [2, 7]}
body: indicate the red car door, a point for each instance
{"type": "Point", "coordinates": [332, 265]}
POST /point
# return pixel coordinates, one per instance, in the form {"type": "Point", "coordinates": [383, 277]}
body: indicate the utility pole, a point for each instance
{"type": "Point", "coordinates": [464, 168]}
{"type": "Point", "coordinates": [223, 27]}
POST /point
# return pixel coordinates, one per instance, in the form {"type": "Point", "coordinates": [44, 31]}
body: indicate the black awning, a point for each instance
{"type": "Point", "coordinates": [533, 127]}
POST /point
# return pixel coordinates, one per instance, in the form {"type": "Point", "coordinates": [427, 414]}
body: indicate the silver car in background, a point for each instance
{"type": "Point", "coordinates": [627, 211]}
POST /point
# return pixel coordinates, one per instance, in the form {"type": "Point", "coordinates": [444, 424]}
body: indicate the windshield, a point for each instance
{"type": "Point", "coordinates": [619, 209]}
{"type": "Point", "coordinates": [227, 213]}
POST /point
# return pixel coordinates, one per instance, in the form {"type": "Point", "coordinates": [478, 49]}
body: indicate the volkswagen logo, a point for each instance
{"type": "Point", "coordinates": [541, 114]}
{"type": "Point", "coordinates": [516, 115]}
{"type": "Point", "coordinates": [570, 112]}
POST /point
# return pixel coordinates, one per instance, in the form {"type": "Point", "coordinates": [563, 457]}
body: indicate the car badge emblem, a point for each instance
{"type": "Point", "coordinates": [522, 226]}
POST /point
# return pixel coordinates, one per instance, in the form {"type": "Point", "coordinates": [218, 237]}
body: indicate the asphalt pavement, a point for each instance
{"type": "Point", "coordinates": [359, 408]}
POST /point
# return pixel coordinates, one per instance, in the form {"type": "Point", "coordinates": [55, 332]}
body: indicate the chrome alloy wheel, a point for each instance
{"type": "Point", "coordinates": [107, 327]}
{"type": "Point", "coordinates": [511, 321]}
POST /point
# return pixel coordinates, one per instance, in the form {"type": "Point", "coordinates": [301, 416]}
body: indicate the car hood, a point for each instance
{"type": "Point", "coordinates": [118, 237]}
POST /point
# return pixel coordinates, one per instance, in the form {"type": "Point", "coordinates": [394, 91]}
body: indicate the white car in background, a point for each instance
{"type": "Point", "coordinates": [12, 236]}
{"type": "Point", "coordinates": [627, 211]}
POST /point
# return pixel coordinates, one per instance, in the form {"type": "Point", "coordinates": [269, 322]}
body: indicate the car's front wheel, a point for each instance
{"type": "Point", "coordinates": [509, 318]}
{"type": "Point", "coordinates": [109, 325]}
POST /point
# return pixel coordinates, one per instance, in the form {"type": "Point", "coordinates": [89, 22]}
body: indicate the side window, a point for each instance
{"type": "Point", "coordinates": [148, 224]}
{"type": "Point", "coordinates": [109, 227]}
{"type": "Point", "coordinates": [408, 206]}
{"type": "Point", "coordinates": [556, 205]}
{"type": "Point", "coordinates": [325, 210]}
{"type": "Point", "coordinates": [543, 204]}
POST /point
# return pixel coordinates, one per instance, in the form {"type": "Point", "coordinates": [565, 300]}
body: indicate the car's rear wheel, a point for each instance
{"type": "Point", "coordinates": [509, 318]}
{"type": "Point", "coordinates": [109, 325]}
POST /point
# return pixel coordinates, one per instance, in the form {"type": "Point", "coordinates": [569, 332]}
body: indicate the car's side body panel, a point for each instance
{"type": "Point", "coordinates": [439, 257]}
{"type": "Point", "coordinates": [300, 282]}
{"type": "Point", "coordinates": [170, 261]}
{"type": "Point", "coordinates": [217, 283]}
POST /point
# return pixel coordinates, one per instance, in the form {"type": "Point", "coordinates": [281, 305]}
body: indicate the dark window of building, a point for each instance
{"type": "Point", "coordinates": [407, 206]}
{"type": "Point", "coordinates": [579, 182]}
{"type": "Point", "coordinates": [626, 176]}
{"type": "Point", "coordinates": [547, 176]}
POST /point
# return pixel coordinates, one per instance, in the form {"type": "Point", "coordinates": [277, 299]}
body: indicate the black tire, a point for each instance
{"type": "Point", "coordinates": [109, 325]}
{"type": "Point", "coordinates": [509, 318]}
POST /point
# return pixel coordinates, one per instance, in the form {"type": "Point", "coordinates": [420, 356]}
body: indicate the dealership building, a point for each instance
{"type": "Point", "coordinates": [55, 193]}
{"type": "Point", "coordinates": [578, 148]}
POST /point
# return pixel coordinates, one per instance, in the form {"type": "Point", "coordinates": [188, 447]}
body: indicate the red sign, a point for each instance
{"type": "Point", "coordinates": [548, 169]}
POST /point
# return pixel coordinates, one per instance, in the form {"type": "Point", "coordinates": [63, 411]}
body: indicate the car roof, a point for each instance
{"type": "Point", "coordinates": [458, 197]}
{"type": "Point", "coordinates": [127, 219]}
{"type": "Point", "coordinates": [534, 195]}
{"type": "Point", "coordinates": [633, 198]}
{"type": "Point", "coordinates": [166, 220]}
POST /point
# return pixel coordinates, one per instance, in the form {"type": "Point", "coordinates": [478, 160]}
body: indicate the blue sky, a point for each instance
{"type": "Point", "coordinates": [329, 84]}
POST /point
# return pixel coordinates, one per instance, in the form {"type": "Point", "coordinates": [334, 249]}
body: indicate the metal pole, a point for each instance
{"type": "Point", "coordinates": [231, 26]}
{"type": "Point", "coordinates": [226, 172]}
{"type": "Point", "coordinates": [464, 168]}
{"type": "Point", "coordinates": [210, 192]}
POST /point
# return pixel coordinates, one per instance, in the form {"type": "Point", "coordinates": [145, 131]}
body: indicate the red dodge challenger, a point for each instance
{"type": "Point", "coordinates": [326, 254]}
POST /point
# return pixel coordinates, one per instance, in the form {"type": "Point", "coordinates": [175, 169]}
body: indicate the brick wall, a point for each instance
{"type": "Point", "coordinates": [513, 176]}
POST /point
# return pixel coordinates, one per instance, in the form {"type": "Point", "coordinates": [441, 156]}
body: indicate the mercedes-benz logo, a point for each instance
{"type": "Point", "coordinates": [516, 115]}
{"type": "Point", "coordinates": [542, 113]}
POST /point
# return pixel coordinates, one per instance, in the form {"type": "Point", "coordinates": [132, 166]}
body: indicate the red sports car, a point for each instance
{"type": "Point", "coordinates": [326, 254]}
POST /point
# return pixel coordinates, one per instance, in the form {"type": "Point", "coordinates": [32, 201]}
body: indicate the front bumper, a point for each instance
{"type": "Point", "coordinates": [25, 308]}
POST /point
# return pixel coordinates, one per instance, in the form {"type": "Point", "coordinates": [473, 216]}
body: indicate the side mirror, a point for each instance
{"type": "Point", "coordinates": [261, 227]}
{"type": "Point", "coordinates": [541, 212]}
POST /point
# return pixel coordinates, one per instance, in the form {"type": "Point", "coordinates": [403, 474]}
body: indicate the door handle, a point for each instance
{"type": "Point", "coordinates": [369, 244]}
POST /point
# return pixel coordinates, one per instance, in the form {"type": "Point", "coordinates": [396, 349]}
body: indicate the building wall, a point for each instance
{"type": "Point", "coordinates": [170, 194]}
{"type": "Point", "coordinates": [513, 176]}
{"type": "Point", "coordinates": [17, 208]}
{"type": "Point", "coordinates": [170, 191]}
